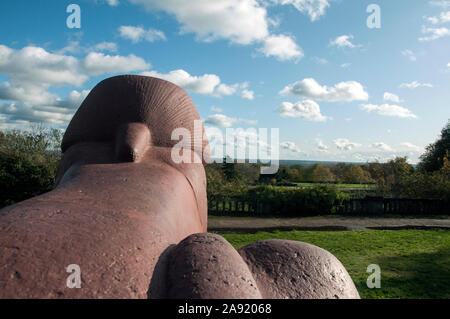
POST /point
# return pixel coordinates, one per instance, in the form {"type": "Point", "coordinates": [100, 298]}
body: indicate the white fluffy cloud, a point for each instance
{"type": "Point", "coordinates": [247, 94]}
{"type": "Point", "coordinates": [415, 85]}
{"type": "Point", "coordinates": [344, 144]}
{"type": "Point", "coordinates": [314, 8]}
{"type": "Point", "coordinates": [99, 63]}
{"type": "Point", "coordinates": [282, 47]}
{"type": "Point", "coordinates": [240, 21]}
{"type": "Point", "coordinates": [344, 41]}
{"type": "Point", "coordinates": [222, 120]}
{"type": "Point", "coordinates": [434, 33]}
{"type": "Point", "coordinates": [382, 147]}
{"type": "Point", "coordinates": [412, 147]}
{"type": "Point", "coordinates": [306, 110]}
{"type": "Point", "coordinates": [32, 65]}
{"type": "Point", "coordinates": [205, 84]}
{"type": "Point", "coordinates": [290, 146]}
{"type": "Point", "coordinates": [391, 97]}
{"type": "Point", "coordinates": [32, 71]}
{"type": "Point", "coordinates": [389, 110]}
{"type": "Point", "coordinates": [209, 84]}
{"type": "Point", "coordinates": [137, 34]}
{"type": "Point", "coordinates": [106, 46]}
{"type": "Point", "coordinates": [444, 17]}
{"type": "Point", "coordinates": [341, 92]}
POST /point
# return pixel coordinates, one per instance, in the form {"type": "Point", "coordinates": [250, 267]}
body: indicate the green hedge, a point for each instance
{"type": "Point", "coordinates": [294, 201]}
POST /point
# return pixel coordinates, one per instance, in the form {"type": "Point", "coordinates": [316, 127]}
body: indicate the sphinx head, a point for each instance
{"type": "Point", "coordinates": [130, 120]}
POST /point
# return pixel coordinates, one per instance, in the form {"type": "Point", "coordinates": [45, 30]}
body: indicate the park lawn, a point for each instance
{"type": "Point", "coordinates": [414, 263]}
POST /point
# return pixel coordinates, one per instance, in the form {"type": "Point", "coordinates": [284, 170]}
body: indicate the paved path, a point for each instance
{"type": "Point", "coordinates": [241, 224]}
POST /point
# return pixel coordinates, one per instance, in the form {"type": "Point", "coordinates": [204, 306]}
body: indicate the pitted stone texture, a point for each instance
{"type": "Point", "coordinates": [119, 203]}
{"type": "Point", "coordinates": [294, 270]}
{"type": "Point", "coordinates": [206, 266]}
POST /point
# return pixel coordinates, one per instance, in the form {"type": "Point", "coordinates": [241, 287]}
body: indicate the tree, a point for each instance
{"type": "Point", "coordinates": [28, 163]}
{"type": "Point", "coordinates": [433, 158]}
{"type": "Point", "coordinates": [322, 174]}
{"type": "Point", "coordinates": [354, 174]}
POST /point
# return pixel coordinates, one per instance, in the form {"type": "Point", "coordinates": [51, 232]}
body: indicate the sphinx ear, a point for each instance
{"type": "Point", "coordinates": [132, 141]}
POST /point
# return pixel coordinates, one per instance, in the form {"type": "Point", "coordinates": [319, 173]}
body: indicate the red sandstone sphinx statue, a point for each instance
{"type": "Point", "coordinates": [135, 222]}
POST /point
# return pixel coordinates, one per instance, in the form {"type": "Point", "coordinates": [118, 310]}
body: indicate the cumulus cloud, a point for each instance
{"type": "Point", "coordinates": [106, 46]}
{"type": "Point", "coordinates": [389, 110]}
{"type": "Point", "coordinates": [222, 120]}
{"type": "Point", "coordinates": [24, 112]}
{"type": "Point", "coordinates": [314, 8]}
{"type": "Point", "coordinates": [99, 63]}
{"type": "Point", "coordinates": [240, 21]}
{"type": "Point", "coordinates": [412, 147]}
{"type": "Point", "coordinates": [382, 147]}
{"type": "Point", "coordinates": [391, 97]}
{"type": "Point", "coordinates": [434, 33]}
{"type": "Point", "coordinates": [344, 144]}
{"type": "Point", "coordinates": [55, 110]}
{"type": "Point", "coordinates": [36, 65]}
{"type": "Point", "coordinates": [209, 84]}
{"type": "Point", "coordinates": [247, 94]}
{"type": "Point", "coordinates": [344, 41]}
{"type": "Point", "coordinates": [205, 84]}
{"type": "Point", "coordinates": [307, 110]}
{"type": "Point", "coordinates": [282, 47]}
{"type": "Point", "coordinates": [341, 92]}
{"type": "Point", "coordinates": [32, 71]}
{"type": "Point", "coordinates": [444, 17]}
{"type": "Point", "coordinates": [290, 146]}
{"type": "Point", "coordinates": [415, 85]}
{"type": "Point", "coordinates": [137, 34]}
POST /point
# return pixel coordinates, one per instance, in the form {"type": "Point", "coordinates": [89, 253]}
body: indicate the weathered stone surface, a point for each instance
{"type": "Point", "coordinates": [295, 270]}
{"type": "Point", "coordinates": [120, 200]}
{"type": "Point", "coordinates": [206, 266]}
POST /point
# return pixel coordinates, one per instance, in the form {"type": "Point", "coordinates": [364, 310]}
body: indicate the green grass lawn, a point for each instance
{"type": "Point", "coordinates": [414, 263]}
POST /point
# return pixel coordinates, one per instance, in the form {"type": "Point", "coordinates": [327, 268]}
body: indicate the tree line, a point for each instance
{"type": "Point", "coordinates": [29, 161]}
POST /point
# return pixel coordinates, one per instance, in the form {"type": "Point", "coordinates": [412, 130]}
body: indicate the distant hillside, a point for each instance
{"type": "Point", "coordinates": [310, 163]}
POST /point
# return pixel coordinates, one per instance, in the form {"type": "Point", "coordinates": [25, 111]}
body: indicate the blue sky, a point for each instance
{"type": "Point", "coordinates": [335, 88]}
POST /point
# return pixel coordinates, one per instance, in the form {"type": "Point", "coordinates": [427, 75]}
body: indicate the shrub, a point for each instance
{"type": "Point", "coordinates": [295, 201]}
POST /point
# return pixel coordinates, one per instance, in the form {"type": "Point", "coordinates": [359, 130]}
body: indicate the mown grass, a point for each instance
{"type": "Point", "coordinates": [414, 263]}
